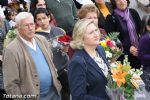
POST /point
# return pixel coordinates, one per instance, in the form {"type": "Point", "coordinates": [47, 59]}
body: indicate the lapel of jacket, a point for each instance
{"type": "Point", "coordinates": [90, 61]}
{"type": "Point", "coordinates": [102, 54]}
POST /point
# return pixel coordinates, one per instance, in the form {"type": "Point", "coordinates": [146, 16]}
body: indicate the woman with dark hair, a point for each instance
{"type": "Point", "coordinates": [127, 22]}
{"type": "Point", "coordinates": [113, 2]}
{"type": "Point", "coordinates": [36, 4]}
{"type": "Point", "coordinates": [12, 13]}
{"type": "Point", "coordinates": [144, 49]}
{"type": "Point", "coordinates": [104, 10]}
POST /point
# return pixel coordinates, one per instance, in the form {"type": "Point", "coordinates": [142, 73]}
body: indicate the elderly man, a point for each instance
{"type": "Point", "coordinates": [27, 65]}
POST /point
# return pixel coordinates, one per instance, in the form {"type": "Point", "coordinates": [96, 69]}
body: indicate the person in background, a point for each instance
{"type": "Point", "coordinates": [4, 28]}
{"type": "Point", "coordinates": [90, 11]}
{"type": "Point", "coordinates": [127, 22]}
{"type": "Point", "coordinates": [41, 4]}
{"type": "Point", "coordinates": [65, 13]}
{"type": "Point", "coordinates": [88, 68]}
{"type": "Point", "coordinates": [144, 49]}
{"type": "Point", "coordinates": [42, 18]}
{"type": "Point", "coordinates": [60, 57]}
{"type": "Point", "coordinates": [104, 9]}
{"type": "Point", "coordinates": [36, 4]}
{"type": "Point", "coordinates": [33, 71]}
{"type": "Point", "coordinates": [11, 17]}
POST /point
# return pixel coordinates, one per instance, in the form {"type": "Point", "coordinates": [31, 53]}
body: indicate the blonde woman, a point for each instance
{"type": "Point", "coordinates": [88, 68]}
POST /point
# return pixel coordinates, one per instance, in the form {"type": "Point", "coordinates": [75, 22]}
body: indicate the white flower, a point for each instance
{"type": "Point", "coordinates": [113, 65]}
{"type": "Point", "coordinates": [108, 54]}
{"type": "Point", "coordinates": [132, 71]}
{"type": "Point", "coordinates": [136, 72]}
{"type": "Point", "coordinates": [139, 72]}
{"type": "Point", "coordinates": [114, 43]}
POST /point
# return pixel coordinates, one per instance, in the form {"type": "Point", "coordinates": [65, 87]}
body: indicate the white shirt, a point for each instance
{"type": "Point", "coordinates": [12, 23]}
{"type": "Point", "coordinates": [32, 45]}
{"type": "Point", "coordinates": [100, 62]}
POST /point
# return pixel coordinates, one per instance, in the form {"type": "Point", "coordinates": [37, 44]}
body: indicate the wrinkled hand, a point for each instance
{"type": "Point", "coordinates": [134, 51]}
{"type": "Point", "coordinates": [65, 48]}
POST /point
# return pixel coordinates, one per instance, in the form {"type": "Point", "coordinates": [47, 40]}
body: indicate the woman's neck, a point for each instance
{"type": "Point", "coordinates": [91, 51]}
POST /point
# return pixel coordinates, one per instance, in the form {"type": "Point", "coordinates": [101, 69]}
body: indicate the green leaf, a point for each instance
{"type": "Point", "coordinates": [113, 35]}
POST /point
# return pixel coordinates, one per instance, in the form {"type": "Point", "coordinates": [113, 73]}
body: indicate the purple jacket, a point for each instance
{"type": "Point", "coordinates": [144, 50]}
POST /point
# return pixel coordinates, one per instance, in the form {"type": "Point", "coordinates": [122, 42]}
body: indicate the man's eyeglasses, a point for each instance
{"type": "Point", "coordinates": [28, 25]}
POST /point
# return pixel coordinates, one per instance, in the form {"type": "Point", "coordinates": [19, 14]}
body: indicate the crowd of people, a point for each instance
{"type": "Point", "coordinates": [37, 62]}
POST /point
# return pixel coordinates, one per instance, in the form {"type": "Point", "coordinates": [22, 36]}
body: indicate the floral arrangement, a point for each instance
{"type": "Point", "coordinates": [65, 39]}
{"type": "Point", "coordinates": [61, 43]}
{"type": "Point", "coordinates": [111, 48]}
{"type": "Point", "coordinates": [125, 80]}
{"type": "Point", "coordinates": [9, 37]}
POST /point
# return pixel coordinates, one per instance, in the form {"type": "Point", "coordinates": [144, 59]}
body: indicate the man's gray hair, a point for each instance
{"type": "Point", "coordinates": [21, 16]}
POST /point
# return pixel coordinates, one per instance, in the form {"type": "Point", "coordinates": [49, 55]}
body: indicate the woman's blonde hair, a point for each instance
{"type": "Point", "coordinates": [78, 33]}
{"type": "Point", "coordinates": [86, 9]}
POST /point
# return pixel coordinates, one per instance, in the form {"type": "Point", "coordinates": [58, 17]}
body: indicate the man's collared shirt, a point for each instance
{"type": "Point", "coordinates": [30, 44]}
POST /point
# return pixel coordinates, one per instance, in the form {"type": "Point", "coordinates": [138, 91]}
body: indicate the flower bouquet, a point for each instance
{"type": "Point", "coordinates": [111, 47]}
{"type": "Point", "coordinates": [9, 37]}
{"type": "Point", "coordinates": [65, 41]}
{"type": "Point", "coordinates": [61, 43]}
{"type": "Point", "coordinates": [124, 81]}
